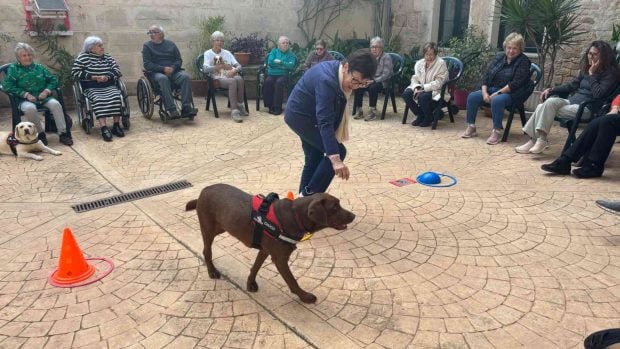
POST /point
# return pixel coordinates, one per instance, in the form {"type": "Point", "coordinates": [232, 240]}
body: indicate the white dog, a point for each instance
{"type": "Point", "coordinates": [23, 142]}
{"type": "Point", "coordinates": [219, 60]}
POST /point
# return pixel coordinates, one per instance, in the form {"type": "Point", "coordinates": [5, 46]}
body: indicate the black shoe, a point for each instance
{"type": "Point", "coordinates": [612, 206]}
{"type": "Point", "coordinates": [117, 130]}
{"type": "Point", "coordinates": [106, 134]}
{"type": "Point", "coordinates": [188, 111]}
{"type": "Point", "coordinates": [416, 122]}
{"type": "Point", "coordinates": [559, 166]}
{"type": "Point", "coordinates": [276, 111]}
{"type": "Point", "coordinates": [588, 171]}
{"type": "Point", "coordinates": [173, 114]}
{"type": "Point", "coordinates": [43, 138]}
{"type": "Point", "coordinates": [65, 138]}
{"type": "Point", "coordinates": [425, 123]}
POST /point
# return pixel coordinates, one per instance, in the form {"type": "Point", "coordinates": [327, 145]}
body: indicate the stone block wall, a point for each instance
{"type": "Point", "coordinates": [123, 25]}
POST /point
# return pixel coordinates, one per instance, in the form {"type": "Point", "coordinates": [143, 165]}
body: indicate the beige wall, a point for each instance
{"type": "Point", "coordinates": [122, 24]}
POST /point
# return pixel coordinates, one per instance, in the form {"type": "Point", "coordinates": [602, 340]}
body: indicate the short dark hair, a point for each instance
{"type": "Point", "coordinates": [363, 62]}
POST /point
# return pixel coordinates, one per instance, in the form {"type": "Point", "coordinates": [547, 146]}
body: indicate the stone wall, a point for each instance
{"type": "Point", "coordinates": [123, 24]}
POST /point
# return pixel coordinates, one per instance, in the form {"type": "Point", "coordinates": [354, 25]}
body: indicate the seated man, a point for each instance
{"type": "Point", "coordinates": [162, 59]}
{"type": "Point", "coordinates": [592, 146]}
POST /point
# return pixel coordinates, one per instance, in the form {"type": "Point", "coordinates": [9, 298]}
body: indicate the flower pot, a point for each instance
{"type": "Point", "coordinates": [460, 98]}
{"type": "Point", "coordinates": [242, 57]}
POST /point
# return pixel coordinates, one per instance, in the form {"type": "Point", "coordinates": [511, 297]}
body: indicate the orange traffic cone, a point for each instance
{"type": "Point", "coordinates": [72, 266]}
{"type": "Point", "coordinates": [290, 196]}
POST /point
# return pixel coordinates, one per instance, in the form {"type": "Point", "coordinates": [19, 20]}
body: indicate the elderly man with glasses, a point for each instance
{"type": "Point", "coordinates": [162, 60]}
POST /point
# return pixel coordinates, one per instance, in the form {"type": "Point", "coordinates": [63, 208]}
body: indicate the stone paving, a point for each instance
{"type": "Point", "coordinates": [509, 257]}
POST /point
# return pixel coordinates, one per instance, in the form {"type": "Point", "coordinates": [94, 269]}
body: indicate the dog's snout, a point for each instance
{"type": "Point", "coordinates": [27, 131]}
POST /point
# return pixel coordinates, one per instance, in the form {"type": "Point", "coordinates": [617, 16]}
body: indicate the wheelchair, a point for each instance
{"type": "Point", "coordinates": [84, 109]}
{"type": "Point", "coordinates": [149, 95]}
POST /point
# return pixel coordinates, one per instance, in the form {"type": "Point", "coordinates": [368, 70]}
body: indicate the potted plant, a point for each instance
{"type": "Point", "coordinates": [474, 51]}
{"type": "Point", "coordinates": [552, 24]}
{"type": "Point", "coordinates": [248, 48]}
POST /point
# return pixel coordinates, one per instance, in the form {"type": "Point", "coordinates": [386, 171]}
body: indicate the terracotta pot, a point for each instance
{"type": "Point", "coordinates": [200, 88]}
{"type": "Point", "coordinates": [242, 57]}
{"type": "Point", "coordinates": [460, 98]}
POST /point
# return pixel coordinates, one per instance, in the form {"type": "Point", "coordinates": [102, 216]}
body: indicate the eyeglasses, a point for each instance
{"type": "Point", "coordinates": [358, 82]}
{"type": "Point", "coordinates": [153, 32]}
{"type": "Point", "coordinates": [375, 46]}
{"type": "Point", "coordinates": [590, 53]}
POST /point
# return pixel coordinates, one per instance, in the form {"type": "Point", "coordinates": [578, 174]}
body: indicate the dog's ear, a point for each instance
{"type": "Point", "coordinates": [316, 211]}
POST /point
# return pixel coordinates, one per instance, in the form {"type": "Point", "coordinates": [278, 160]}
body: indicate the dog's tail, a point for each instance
{"type": "Point", "coordinates": [191, 205]}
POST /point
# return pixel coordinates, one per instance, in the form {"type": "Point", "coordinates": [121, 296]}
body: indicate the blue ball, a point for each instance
{"type": "Point", "coordinates": [429, 178]}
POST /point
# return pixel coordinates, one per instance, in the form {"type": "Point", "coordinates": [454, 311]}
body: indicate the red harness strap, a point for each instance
{"type": "Point", "coordinates": [265, 221]}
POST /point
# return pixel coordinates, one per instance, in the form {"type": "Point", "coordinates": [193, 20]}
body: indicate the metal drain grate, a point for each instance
{"type": "Point", "coordinates": [131, 196]}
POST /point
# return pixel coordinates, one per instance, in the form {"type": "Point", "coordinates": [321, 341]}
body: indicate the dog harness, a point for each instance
{"type": "Point", "coordinates": [265, 221]}
{"type": "Point", "coordinates": [13, 142]}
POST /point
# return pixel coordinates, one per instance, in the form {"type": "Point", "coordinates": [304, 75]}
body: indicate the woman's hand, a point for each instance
{"type": "Point", "coordinates": [594, 67]}
{"type": "Point", "coordinates": [342, 171]}
{"type": "Point", "coordinates": [30, 98]}
{"type": "Point", "coordinates": [231, 73]}
{"type": "Point", "coordinates": [545, 94]}
{"type": "Point", "coordinates": [614, 110]}
{"type": "Point", "coordinates": [43, 95]}
{"type": "Point", "coordinates": [486, 97]}
{"type": "Point", "coordinates": [100, 78]}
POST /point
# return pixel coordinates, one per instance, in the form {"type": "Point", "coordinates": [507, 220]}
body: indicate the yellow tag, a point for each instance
{"type": "Point", "coordinates": [306, 236]}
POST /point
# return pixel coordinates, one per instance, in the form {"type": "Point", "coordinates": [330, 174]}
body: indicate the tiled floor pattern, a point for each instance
{"type": "Point", "coordinates": [509, 257]}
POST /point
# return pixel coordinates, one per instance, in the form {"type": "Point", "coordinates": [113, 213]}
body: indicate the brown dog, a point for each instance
{"type": "Point", "coordinates": [222, 207]}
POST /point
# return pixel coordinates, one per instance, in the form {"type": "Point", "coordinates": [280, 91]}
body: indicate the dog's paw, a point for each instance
{"type": "Point", "coordinates": [252, 286]}
{"type": "Point", "coordinates": [57, 153]}
{"type": "Point", "coordinates": [307, 297]}
{"type": "Point", "coordinates": [37, 157]}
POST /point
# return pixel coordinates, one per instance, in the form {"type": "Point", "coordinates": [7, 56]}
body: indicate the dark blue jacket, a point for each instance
{"type": "Point", "coordinates": [317, 100]}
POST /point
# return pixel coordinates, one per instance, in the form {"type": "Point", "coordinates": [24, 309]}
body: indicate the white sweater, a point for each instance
{"type": "Point", "coordinates": [431, 79]}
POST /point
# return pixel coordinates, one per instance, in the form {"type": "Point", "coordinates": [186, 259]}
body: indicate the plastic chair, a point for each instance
{"type": "Point", "coordinates": [214, 87]}
{"type": "Point", "coordinates": [261, 74]}
{"type": "Point", "coordinates": [337, 55]}
{"type": "Point", "coordinates": [16, 113]}
{"type": "Point", "coordinates": [398, 63]}
{"type": "Point", "coordinates": [455, 71]}
{"type": "Point", "coordinates": [594, 105]}
{"type": "Point", "coordinates": [535, 76]}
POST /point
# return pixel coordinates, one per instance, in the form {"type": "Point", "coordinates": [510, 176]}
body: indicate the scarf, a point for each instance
{"type": "Point", "coordinates": [342, 133]}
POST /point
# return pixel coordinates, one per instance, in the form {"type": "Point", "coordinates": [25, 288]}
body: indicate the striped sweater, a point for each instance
{"type": "Point", "coordinates": [88, 64]}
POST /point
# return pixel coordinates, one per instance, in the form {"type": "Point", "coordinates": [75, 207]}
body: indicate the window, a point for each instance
{"type": "Point", "coordinates": [47, 15]}
{"type": "Point", "coordinates": [453, 19]}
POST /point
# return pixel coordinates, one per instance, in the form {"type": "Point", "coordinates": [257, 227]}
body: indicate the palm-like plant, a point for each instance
{"type": "Point", "coordinates": [552, 24]}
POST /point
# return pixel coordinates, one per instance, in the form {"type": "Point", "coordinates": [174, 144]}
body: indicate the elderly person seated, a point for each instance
{"type": "Point", "coordinates": [423, 95]}
{"type": "Point", "coordinates": [98, 72]}
{"type": "Point", "coordinates": [280, 62]}
{"type": "Point", "coordinates": [378, 82]}
{"type": "Point", "coordinates": [32, 84]}
{"type": "Point", "coordinates": [222, 66]}
{"type": "Point", "coordinates": [597, 78]}
{"type": "Point", "coordinates": [162, 60]}
{"type": "Point", "coordinates": [319, 55]}
{"type": "Point", "coordinates": [592, 146]}
{"type": "Point", "coordinates": [505, 79]}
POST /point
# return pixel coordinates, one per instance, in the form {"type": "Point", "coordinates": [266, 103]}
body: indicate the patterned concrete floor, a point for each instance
{"type": "Point", "coordinates": [509, 257]}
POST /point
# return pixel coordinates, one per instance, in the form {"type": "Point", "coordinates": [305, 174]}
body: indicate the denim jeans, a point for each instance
{"type": "Point", "coordinates": [498, 105]}
{"type": "Point", "coordinates": [317, 173]}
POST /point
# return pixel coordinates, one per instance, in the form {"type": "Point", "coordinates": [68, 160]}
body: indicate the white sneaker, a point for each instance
{"type": "Point", "coordinates": [525, 148]}
{"type": "Point", "coordinates": [539, 147]}
{"type": "Point", "coordinates": [470, 132]}
{"type": "Point", "coordinates": [236, 115]}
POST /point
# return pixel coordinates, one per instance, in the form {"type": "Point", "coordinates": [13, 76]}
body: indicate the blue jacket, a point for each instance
{"type": "Point", "coordinates": [317, 100]}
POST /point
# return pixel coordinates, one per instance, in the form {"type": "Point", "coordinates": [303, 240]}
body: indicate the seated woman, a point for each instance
{"type": "Point", "coordinates": [319, 55]}
{"type": "Point", "coordinates": [280, 62]}
{"type": "Point", "coordinates": [378, 82]}
{"type": "Point", "coordinates": [223, 67]}
{"type": "Point", "coordinates": [593, 145]}
{"type": "Point", "coordinates": [423, 95]}
{"type": "Point", "coordinates": [597, 78]}
{"type": "Point", "coordinates": [98, 72]}
{"type": "Point", "coordinates": [32, 84]}
{"type": "Point", "coordinates": [506, 76]}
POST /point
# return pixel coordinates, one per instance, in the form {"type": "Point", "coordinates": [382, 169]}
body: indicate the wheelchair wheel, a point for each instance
{"type": "Point", "coordinates": [145, 97]}
{"type": "Point", "coordinates": [163, 116]}
{"type": "Point", "coordinates": [78, 103]}
{"type": "Point", "coordinates": [86, 125]}
{"type": "Point", "coordinates": [126, 122]}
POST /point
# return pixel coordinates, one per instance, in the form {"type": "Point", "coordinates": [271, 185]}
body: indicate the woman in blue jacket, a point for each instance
{"type": "Point", "coordinates": [315, 112]}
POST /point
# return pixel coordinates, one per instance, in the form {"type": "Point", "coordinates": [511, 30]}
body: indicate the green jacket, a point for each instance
{"type": "Point", "coordinates": [32, 79]}
{"type": "Point", "coordinates": [288, 62]}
